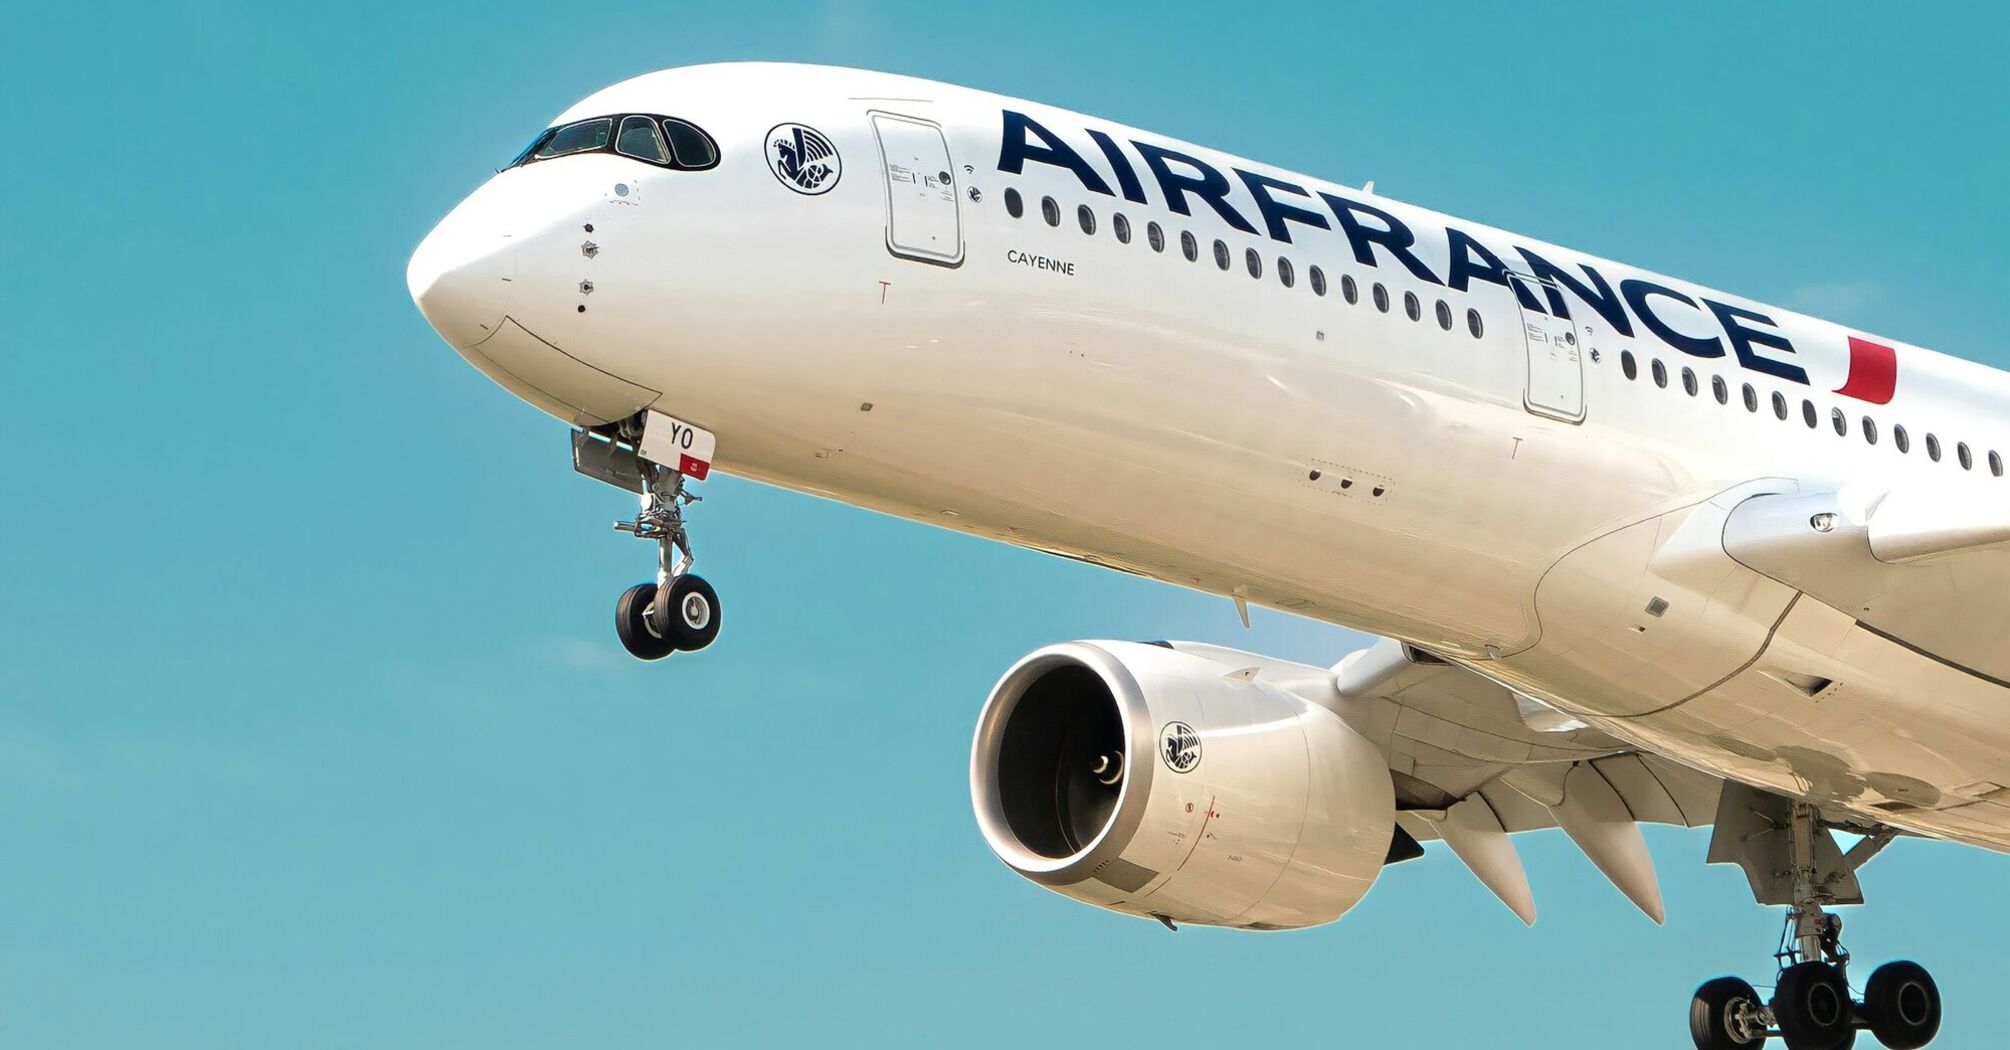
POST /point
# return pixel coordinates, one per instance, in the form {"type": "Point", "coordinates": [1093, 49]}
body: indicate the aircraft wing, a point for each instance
{"type": "Point", "coordinates": [1474, 763]}
{"type": "Point", "coordinates": [1924, 566]}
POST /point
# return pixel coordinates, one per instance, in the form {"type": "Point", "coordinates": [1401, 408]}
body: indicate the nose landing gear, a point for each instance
{"type": "Point", "coordinates": [679, 611]}
{"type": "Point", "coordinates": [1791, 858]}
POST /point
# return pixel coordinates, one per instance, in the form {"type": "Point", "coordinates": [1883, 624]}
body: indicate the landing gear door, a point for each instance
{"type": "Point", "coordinates": [922, 219]}
{"type": "Point", "coordinates": [1555, 352]}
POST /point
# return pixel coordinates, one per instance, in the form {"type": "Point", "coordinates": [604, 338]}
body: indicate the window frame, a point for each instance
{"type": "Point", "coordinates": [604, 146]}
{"type": "Point", "coordinates": [655, 132]}
{"type": "Point", "coordinates": [612, 148]}
{"type": "Point", "coordinates": [710, 142]}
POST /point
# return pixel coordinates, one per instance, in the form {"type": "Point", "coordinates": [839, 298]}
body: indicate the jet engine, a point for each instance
{"type": "Point", "coordinates": [1171, 784]}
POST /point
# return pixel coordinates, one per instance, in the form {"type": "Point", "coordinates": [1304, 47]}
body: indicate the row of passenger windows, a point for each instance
{"type": "Point", "coordinates": [1809, 414]}
{"type": "Point", "coordinates": [1252, 261]}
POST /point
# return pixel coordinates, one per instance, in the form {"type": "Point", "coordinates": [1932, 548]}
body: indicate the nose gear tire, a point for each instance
{"type": "Point", "coordinates": [693, 608]}
{"type": "Point", "coordinates": [632, 623]}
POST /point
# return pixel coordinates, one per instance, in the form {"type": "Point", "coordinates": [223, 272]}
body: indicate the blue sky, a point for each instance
{"type": "Point", "coordinates": [312, 732]}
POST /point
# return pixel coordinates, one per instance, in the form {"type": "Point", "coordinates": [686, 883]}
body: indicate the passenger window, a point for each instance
{"type": "Point", "coordinates": [1381, 297]}
{"type": "Point", "coordinates": [1188, 246]}
{"type": "Point", "coordinates": [1318, 277]}
{"type": "Point", "coordinates": [1751, 398]}
{"type": "Point", "coordinates": [577, 138]}
{"type": "Point", "coordinates": [1444, 315]}
{"type": "Point", "coordinates": [1253, 262]}
{"type": "Point", "coordinates": [1966, 457]}
{"type": "Point", "coordinates": [1349, 290]}
{"type": "Point", "coordinates": [1015, 205]}
{"type": "Point", "coordinates": [1156, 236]}
{"type": "Point", "coordinates": [1050, 211]}
{"type": "Point", "coordinates": [638, 139]}
{"type": "Point", "coordinates": [1122, 224]}
{"type": "Point", "coordinates": [1689, 382]}
{"type": "Point", "coordinates": [1839, 421]}
{"type": "Point", "coordinates": [1221, 253]}
{"type": "Point", "coordinates": [1474, 324]}
{"type": "Point", "coordinates": [1808, 413]}
{"type": "Point", "coordinates": [1995, 464]}
{"type": "Point", "coordinates": [1869, 430]}
{"type": "Point", "coordinates": [1412, 307]}
{"type": "Point", "coordinates": [1933, 448]}
{"type": "Point", "coordinates": [1721, 389]}
{"type": "Point", "coordinates": [1900, 438]}
{"type": "Point", "coordinates": [1660, 375]}
{"type": "Point", "coordinates": [1286, 273]}
{"type": "Point", "coordinates": [692, 148]}
{"type": "Point", "coordinates": [1087, 218]}
{"type": "Point", "coordinates": [1628, 365]}
{"type": "Point", "coordinates": [1779, 404]}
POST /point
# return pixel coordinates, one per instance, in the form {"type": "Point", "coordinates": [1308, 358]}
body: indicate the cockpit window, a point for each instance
{"type": "Point", "coordinates": [638, 139]}
{"type": "Point", "coordinates": [575, 138]}
{"type": "Point", "coordinates": [652, 138]}
{"type": "Point", "coordinates": [694, 148]}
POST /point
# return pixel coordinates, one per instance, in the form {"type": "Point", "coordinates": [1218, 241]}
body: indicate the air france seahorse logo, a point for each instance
{"type": "Point", "coordinates": [1179, 745]}
{"type": "Point", "coordinates": [803, 158]}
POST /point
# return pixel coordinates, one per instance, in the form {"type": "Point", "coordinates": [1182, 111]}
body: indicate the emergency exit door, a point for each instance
{"type": "Point", "coordinates": [922, 218]}
{"type": "Point", "coordinates": [1555, 352]}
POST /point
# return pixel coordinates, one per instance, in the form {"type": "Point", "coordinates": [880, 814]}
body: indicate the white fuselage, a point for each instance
{"type": "Point", "coordinates": [1509, 499]}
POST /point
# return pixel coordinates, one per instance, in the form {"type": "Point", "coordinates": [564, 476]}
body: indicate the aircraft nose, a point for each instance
{"type": "Point", "coordinates": [460, 277]}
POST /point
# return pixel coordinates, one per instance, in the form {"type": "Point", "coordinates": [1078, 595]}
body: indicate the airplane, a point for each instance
{"type": "Point", "coordinates": [1636, 550]}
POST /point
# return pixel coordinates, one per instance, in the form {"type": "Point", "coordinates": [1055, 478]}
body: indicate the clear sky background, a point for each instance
{"type": "Point", "coordinates": [313, 731]}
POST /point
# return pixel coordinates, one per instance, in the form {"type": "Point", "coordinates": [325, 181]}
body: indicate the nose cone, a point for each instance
{"type": "Point", "coordinates": [461, 277]}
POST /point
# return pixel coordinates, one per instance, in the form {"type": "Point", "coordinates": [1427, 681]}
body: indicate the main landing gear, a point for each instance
{"type": "Point", "coordinates": [1812, 1007]}
{"type": "Point", "coordinates": [678, 610]}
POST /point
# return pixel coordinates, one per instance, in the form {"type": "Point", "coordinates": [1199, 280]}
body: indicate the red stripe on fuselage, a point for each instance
{"type": "Point", "coordinates": [1873, 372]}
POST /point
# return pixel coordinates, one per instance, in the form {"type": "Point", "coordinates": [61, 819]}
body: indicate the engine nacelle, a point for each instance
{"type": "Point", "coordinates": [1146, 780]}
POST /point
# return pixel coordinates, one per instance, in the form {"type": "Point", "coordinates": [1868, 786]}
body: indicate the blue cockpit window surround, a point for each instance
{"type": "Point", "coordinates": [691, 148]}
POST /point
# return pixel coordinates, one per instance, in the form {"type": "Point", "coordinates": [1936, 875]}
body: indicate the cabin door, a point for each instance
{"type": "Point", "coordinates": [922, 220]}
{"type": "Point", "coordinates": [1555, 352]}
